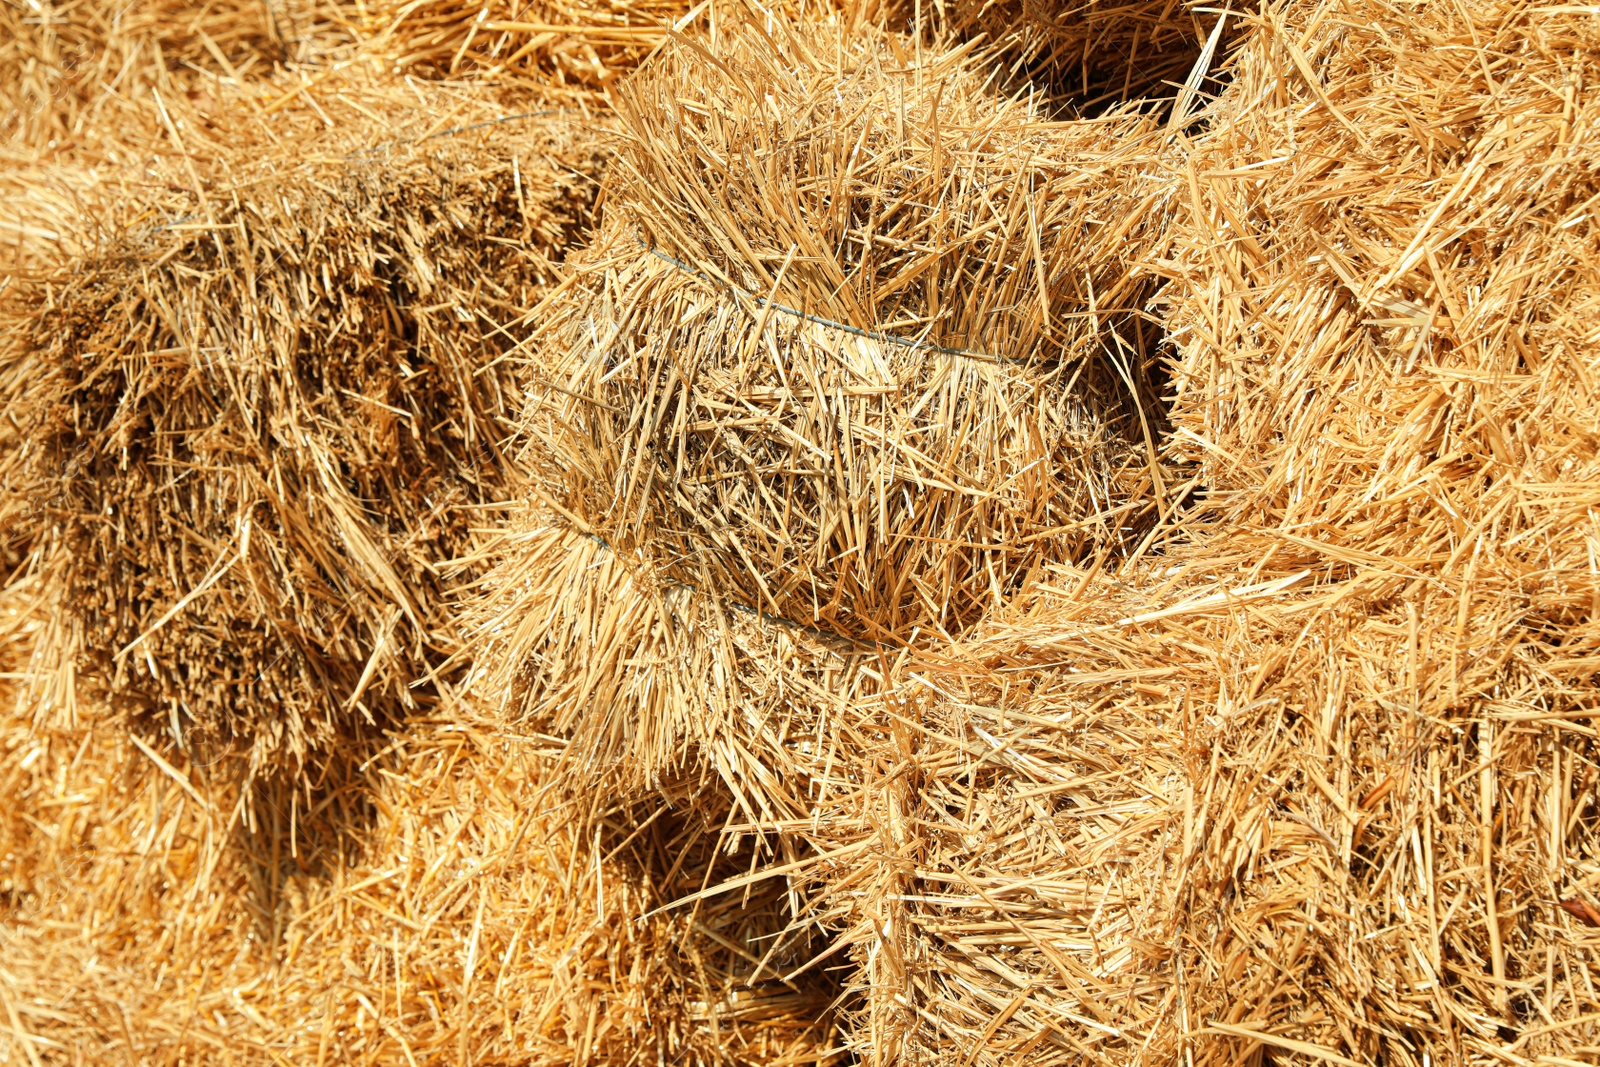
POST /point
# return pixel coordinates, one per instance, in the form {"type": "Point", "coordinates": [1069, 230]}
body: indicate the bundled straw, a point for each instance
{"type": "Point", "coordinates": [254, 422]}
{"type": "Point", "coordinates": [1383, 293]}
{"type": "Point", "coordinates": [1363, 845]}
{"type": "Point", "coordinates": [68, 71]}
{"type": "Point", "coordinates": [1316, 784]}
{"type": "Point", "coordinates": [856, 348]}
{"type": "Point", "coordinates": [1385, 325]}
{"type": "Point", "coordinates": [990, 855]}
{"type": "Point", "coordinates": [1010, 838]}
{"type": "Point", "coordinates": [645, 680]}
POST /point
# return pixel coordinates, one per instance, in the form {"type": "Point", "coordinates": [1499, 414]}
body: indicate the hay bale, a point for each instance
{"type": "Point", "coordinates": [997, 857]}
{"type": "Point", "coordinates": [1366, 819]}
{"type": "Point", "coordinates": [1189, 810]}
{"type": "Point", "coordinates": [1406, 279]}
{"type": "Point", "coordinates": [855, 347]}
{"type": "Point", "coordinates": [83, 85]}
{"type": "Point", "coordinates": [59, 61]}
{"type": "Point", "coordinates": [644, 680]}
{"type": "Point", "coordinates": [1382, 294]}
{"type": "Point", "coordinates": [259, 422]}
{"type": "Point", "coordinates": [1316, 784]}
{"type": "Point", "coordinates": [989, 840]}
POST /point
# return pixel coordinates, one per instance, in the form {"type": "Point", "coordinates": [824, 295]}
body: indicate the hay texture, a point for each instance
{"type": "Point", "coordinates": [83, 86]}
{"type": "Point", "coordinates": [1094, 51]}
{"type": "Point", "coordinates": [1316, 783]}
{"type": "Point", "coordinates": [435, 901]}
{"type": "Point", "coordinates": [890, 680]}
{"type": "Point", "coordinates": [581, 45]}
{"type": "Point", "coordinates": [257, 423]}
{"type": "Point", "coordinates": [856, 347]}
{"type": "Point", "coordinates": [1311, 777]}
{"type": "Point", "coordinates": [1382, 299]}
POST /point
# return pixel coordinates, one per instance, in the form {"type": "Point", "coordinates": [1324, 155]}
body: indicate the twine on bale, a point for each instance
{"type": "Point", "coordinates": [760, 301]}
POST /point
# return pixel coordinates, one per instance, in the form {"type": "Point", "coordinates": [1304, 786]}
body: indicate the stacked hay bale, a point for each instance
{"type": "Point", "coordinates": [833, 382]}
{"type": "Point", "coordinates": [1339, 724]}
{"type": "Point", "coordinates": [856, 349]}
{"type": "Point", "coordinates": [990, 852]}
{"type": "Point", "coordinates": [1382, 291]}
{"type": "Point", "coordinates": [83, 87]}
{"type": "Point", "coordinates": [257, 422]}
{"type": "Point", "coordinates": [839, 567]}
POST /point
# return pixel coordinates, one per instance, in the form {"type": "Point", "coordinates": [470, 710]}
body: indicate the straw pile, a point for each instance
{"type": "Point", "coordinates": [431, 903]}
{"type": "Point", "coordinates": [856, 347]}
{"type": "Point", "coordinates": [254, 420]}
{"type": "Point", "coordinates": [1382, 286]}
{"type": "Point", "coordinates": [895, 705]}
{"type": "Point", "coordinates": [1313, 783]}
{"type": "Point", "coordinates": [79, 91]}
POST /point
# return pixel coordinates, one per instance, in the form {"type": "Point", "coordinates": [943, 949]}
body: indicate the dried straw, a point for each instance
{"type": "Point", "coordinates": [1096, 51]}
{"type": "Point", "coordinates": [1380, 295]}
{"type": "Point", "coordinates": [579, 46]}
{"type": "Point", "coordinates": [432, 902]}
{"type": "Point", "coordinates": [79, 84]}
{"type": "Point", "coordinates": [576, 43]}
{"type": "Point", "coordinates": [257, 423]}
{"type": "Point", "coordinates": [1313, 783]}
{"type": "Point", "coordinates": [1304, 773]}
{"type": "Point", "coordinates": [857, 346]}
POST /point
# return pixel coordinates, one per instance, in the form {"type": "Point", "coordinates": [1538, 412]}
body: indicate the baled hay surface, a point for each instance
{"type": "Point", "coordinates": [257, 424]}
{"type": "Point", "coordinates": [986, 845]}
{"type": "Point", "coordinates": [843, 468]}
{"type": "Point", "coordinates": [1382, 298]}
{"type": "Point", "coordinates": [60, 60]}
{"type": "Point", "coordinates": [1226, 813]}
{"type": "Point", "coordinates": [434, 902]}
{"type": "Point", "coordinates": [989, 856]}
{"type": "Point", "coordinates": [83, 85]}
{"type": "Point", "coordinates": [992, 853]}
{"type": "Point", "coordinates": [1097, 50]}
{"type": "Point", "coordinates": [577, 43]}
{"type": "Point", "coordinates": [1202, 805]}
{"type": "Point", "coordinates": [1318, 786]}
{"type": "Point", "coordinates": [649, 684]}
{"type": "Point", "coordinates": [1386, 325]}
